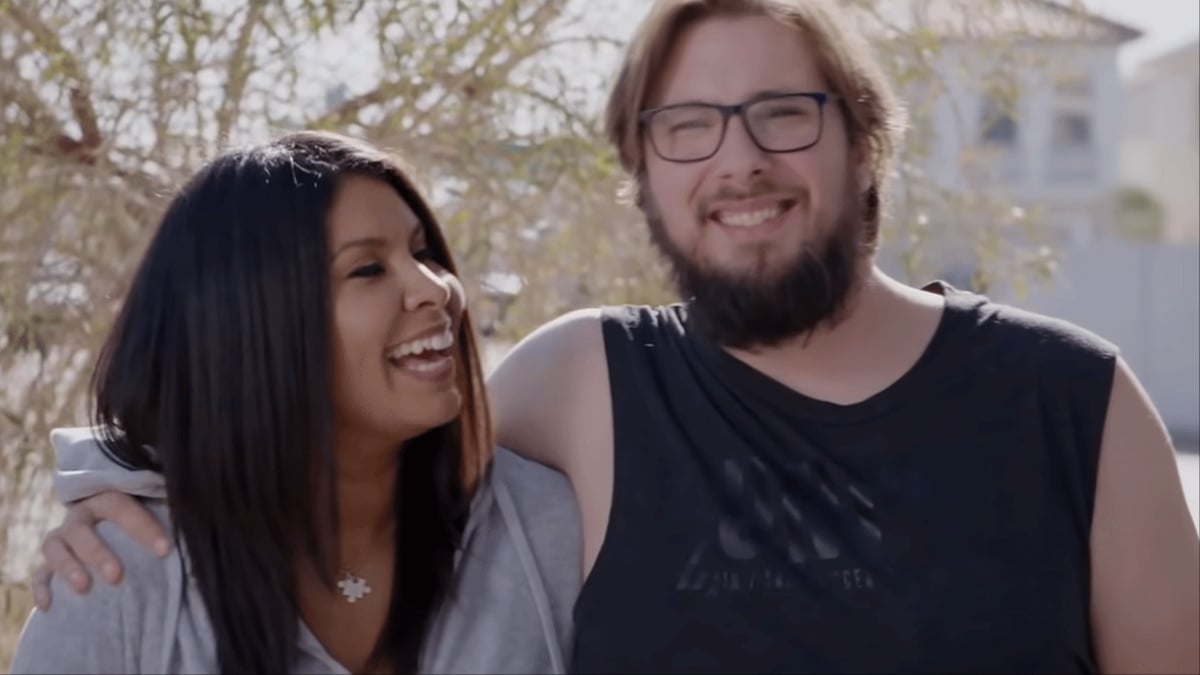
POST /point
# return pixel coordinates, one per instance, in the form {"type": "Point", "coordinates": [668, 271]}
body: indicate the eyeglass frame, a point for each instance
{"type": "Point", "coordinates": [727, 111]}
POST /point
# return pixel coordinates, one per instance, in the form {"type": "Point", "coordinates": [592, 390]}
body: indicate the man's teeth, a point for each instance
{"type": "Point", "coordinates": [436, 343]}
{"type": "Point", "coordinates": [749, 218]}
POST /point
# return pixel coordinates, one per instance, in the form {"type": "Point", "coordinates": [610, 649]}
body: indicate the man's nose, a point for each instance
{"type": "Point", "coordinates": [739, 157]}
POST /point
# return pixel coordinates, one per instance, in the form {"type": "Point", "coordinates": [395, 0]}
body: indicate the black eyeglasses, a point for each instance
{"type": "Point", "coordinates": [693, 132]}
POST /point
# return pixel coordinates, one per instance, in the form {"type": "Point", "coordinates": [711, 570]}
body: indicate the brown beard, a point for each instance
{"type": "Point", "coordinates": [743, 311]}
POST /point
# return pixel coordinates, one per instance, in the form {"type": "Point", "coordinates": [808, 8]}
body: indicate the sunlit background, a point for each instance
{"type": "Point", "coordinates": [1052, 162]}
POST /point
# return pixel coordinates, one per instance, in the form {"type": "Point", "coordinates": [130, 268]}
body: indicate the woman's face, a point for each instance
{"type": "Point", "coordinates": [396, 314]}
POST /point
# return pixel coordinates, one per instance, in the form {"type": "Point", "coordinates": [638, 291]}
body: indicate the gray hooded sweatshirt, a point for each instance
{"type": "Point", "coordinates": [518, 574]}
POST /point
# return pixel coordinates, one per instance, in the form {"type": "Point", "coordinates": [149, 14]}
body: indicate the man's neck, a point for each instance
{"type": "Point", "coordinates": [884, 329]}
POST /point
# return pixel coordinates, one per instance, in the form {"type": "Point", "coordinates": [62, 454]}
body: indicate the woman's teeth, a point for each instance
{"type": "Point", "coordinates": [433, 343]}
{"type": "Point", "coordinates": [426, 365]}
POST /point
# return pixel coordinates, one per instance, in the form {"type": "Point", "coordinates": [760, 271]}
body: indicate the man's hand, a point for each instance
{"type": "Point", "coordinates": [73, 547]}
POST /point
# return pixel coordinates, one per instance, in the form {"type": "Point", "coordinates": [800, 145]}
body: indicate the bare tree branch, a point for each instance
{"type": "Point", "coordinates": [240, 67]}
{"type": "Point", "coordinates": [77, 83]}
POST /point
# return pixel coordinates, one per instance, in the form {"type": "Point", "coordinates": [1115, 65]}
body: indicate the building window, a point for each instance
{"type": "Point", "coordinates": [997, 123]}
{"type": "Point", "coordinates": [1072, 130]}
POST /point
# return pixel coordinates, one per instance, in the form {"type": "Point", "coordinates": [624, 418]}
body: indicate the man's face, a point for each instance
{"type": "Point", "coordinates": [765, 244]}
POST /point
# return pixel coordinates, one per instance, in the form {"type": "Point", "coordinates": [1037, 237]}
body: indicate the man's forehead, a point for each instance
{"type": "Point", "coordinates": [728, 59]}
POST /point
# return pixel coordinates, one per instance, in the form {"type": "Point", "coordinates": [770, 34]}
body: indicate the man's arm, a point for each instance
{"type": "Point", "coordinates": [551, 403]}
{"type": "Point", "coordinates": [541, 393]}
{"type": "Point", "coordinates": [1145, 551]}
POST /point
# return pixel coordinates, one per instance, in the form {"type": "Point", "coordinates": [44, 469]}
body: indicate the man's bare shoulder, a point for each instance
{"type": "Point", "coordinates": [550, 354]}
{"type": "Point", "coordinates": [572, 334]}
{"type": "Point", "coordinates": [542, 390]}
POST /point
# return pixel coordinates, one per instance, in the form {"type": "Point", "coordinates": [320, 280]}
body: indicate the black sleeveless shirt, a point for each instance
{"type": "Point", "coordinates": [939, 526]}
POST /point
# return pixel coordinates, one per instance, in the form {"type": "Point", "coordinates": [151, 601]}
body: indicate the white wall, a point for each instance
{"type": "Point", "coordinates": [1161, 148]}
{"type": "Point", "coordinates": [1146, 299]}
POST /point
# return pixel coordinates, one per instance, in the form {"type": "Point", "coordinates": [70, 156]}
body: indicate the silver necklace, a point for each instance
{"type": "Point", "coordinates": [352, 586]}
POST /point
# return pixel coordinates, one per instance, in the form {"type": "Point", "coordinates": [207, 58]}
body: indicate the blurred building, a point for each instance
{"type": "Point", "coordinates": [1160, 153]}
{"type": "Point", "coordinates": [1027, 106]}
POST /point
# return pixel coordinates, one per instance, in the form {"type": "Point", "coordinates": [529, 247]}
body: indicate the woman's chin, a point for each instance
{"type": "Point", "coordinates": [437, 412]}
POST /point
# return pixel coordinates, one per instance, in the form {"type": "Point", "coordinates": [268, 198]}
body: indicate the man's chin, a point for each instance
{"type": "Point", "coordinates": [743, 305]}
{"type": "Point", "coordinates": [748, 272]}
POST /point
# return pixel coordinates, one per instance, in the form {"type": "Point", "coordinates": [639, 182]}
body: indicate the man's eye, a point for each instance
{"type": "Point", "coordinates": [787, 112]}
{"type": "Point", "coordinates": [368, 271]}
{"type": "Point", "coordinates": [690, 125]}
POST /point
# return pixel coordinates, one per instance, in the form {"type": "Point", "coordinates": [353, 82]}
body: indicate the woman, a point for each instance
{"type": "Point", "coordinates": [294, 367]}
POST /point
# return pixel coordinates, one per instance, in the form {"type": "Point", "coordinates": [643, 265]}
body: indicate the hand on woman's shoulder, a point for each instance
{"type": "Point", "coordinates": [113, 627]}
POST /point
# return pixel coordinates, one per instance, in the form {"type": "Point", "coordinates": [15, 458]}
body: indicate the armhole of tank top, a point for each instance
{"type": "Point", "coordinates": [614, 330]}
{"type": "Point", "coordinates": [1106, 360]}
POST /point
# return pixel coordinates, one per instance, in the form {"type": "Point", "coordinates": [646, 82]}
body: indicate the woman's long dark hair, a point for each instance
{"type": "Point", "coordinates": [217, 373]}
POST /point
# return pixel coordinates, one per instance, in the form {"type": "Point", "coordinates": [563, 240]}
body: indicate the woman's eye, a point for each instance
{"type": "Point", "coordinates": [367, 271]}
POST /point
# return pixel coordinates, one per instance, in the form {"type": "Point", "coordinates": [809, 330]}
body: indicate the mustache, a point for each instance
{"type": "Point", "coordinates": [797, 193]}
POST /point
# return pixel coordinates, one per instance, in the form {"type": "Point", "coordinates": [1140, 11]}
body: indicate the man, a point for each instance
{"type": "Point", "coordinates": [810, 466]}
